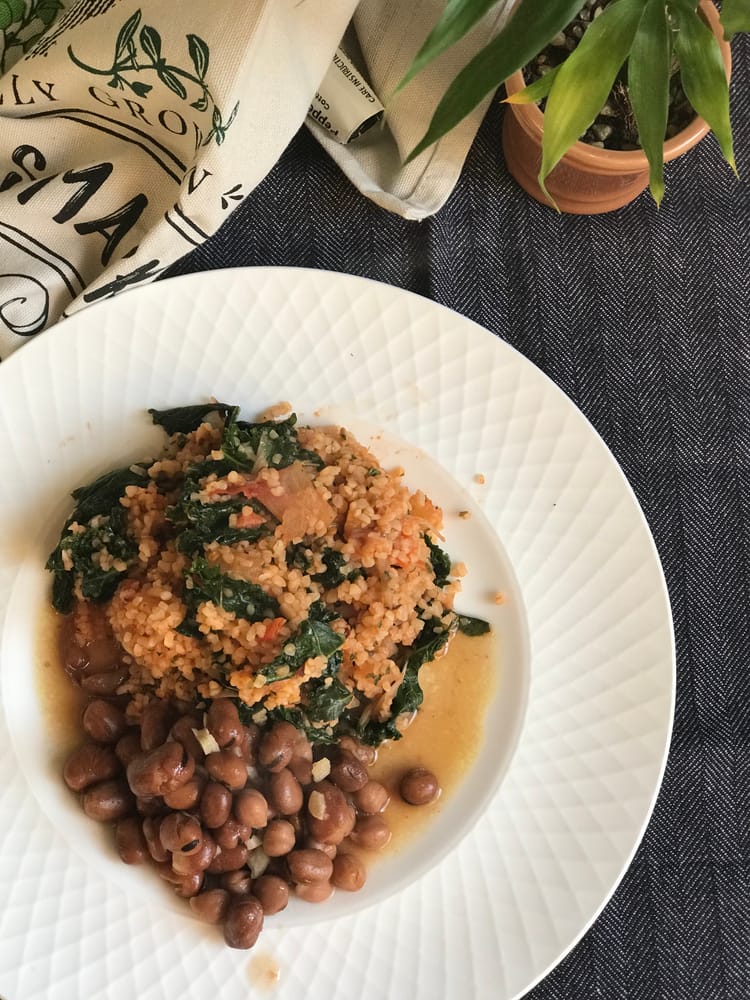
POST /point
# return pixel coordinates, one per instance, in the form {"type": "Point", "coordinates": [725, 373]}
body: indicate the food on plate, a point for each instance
{"type": "Point", "coordinates": [249, 613]}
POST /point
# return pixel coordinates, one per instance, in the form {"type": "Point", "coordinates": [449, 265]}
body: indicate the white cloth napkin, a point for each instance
{"type": "Point", "coordinates": [130, 129]}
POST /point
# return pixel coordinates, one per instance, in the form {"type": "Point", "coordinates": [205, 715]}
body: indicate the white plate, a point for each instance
{"type": "Point", "coordinates": [526, 882]}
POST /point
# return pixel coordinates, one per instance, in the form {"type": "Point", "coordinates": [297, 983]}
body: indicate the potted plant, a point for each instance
{"type": "Point", "coordinates": [634, 44]}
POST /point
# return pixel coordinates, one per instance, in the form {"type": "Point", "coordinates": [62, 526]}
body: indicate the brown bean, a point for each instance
{"type": "Point", "coordinates": [104, 685]}
{"type": "Point", "coordinates": [279, 838]}
{"type": "Point", "coordinates": [128, 746]}
{"type": "Point", "coordinates": [251, 808]}
{"type": "Point", "coordinates": [238, 882]}
{"type": "Point", "coordinates": [227, 768]}
{"type": "Point", "coordinates": [231, 833]}
{"type": "Point", "coordinates": [153, 806]}
{"type": "Point", "coordinates": [308, 866]}
{"type": "Point", "coordinates": [371, 833]}
{"type": "Point", "coordinates": [228, 859]}
{"type": "Point", "coordinates": [330, 816]}
{"type": "Point", "coordinates": [90, 764]}
{"type": "Point", "coordinates": [419, 787]}
{"type": "Point", "coordinates": [215, 805]}
{"type": "Point", "coordinates": [272, 893]}
{"type": "Point", "coordinates": [103, 721]}
{"type": "Point", "coordinates": [186, 885]}
{"type": "Point", "coordinates": [156, 720]}
{"type": "Point", "coordinates": [301, 769]}
{"type": "Point", "coordinates": [348, 873]}
{"type": "Point", "coordinates": [316, 892]}
{"type": "Point", "coordinates": [285, 793]}
{"type": "Point", "coordinates": [180, 832]}
{"type": "Point", "coordinates": [150, 827]}
{"type": "Point", "coordinates": [328, 849]}
{"type": "Point", "coordinates": [188, 795]}
{"type": "Point", "coordinates": [199, 861]}
{"type": "Point", "coordinates": [108, 801]}
{"type": "Point", "coordinates": [223, 722]}
{"type": "Point", "coordinates": [365, 754]}
{"type": "Point", "coordinates": [161, 770]}
{"type": "Point", "coordinates": [243, 922]}
{"type": "Point", "coordinates": [130, 842]}
{"type": "Point", "coordinates": [371, 798]}
{"type": "Point", "coordinates": [247, 744]}
{"type": "Point", "coordinates": [277, 746]}
{"type": "Point", "coordinates": [348, 773]}
{"type": "Point", "coordinates": [211, 905]}
{"type": "Point", "coordinates": [182, 731]}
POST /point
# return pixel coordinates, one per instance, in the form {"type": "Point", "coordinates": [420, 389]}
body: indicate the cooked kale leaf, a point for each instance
{"type": "Point", "coordinates": [104, 493]}
{"type": "Point", "coordinates": [312, 638]}
{"type": "Point", "coordinates": [198, 523]}
{"type": "Point", "coordinates": [183, 419]}
{"type": "Point", "coordinates": [440, 561]}
{"type": "Point", "coordinates": [333, 574]}
{"type": "Point", "coordinates": [206, 582]}
{"type": "Point", "coordinates": [103, 540]}
{"type": "Point", "coordinates": [248, 447]}
{"type": "Point", "coordinates": [472, 626]}
{"type": "Point", "coordinates": [428, 644]}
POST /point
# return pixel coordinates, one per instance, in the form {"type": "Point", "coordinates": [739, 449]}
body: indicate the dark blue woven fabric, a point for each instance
{"type": "Point", "coordinates": [642, 318]}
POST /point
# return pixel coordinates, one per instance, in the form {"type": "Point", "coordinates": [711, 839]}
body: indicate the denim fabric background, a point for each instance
{"type": "Point", "coordinates": [641, 316]}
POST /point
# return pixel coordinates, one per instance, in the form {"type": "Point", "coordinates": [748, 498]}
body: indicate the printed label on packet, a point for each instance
{"type": "Point", "coordinates": [345, 104]}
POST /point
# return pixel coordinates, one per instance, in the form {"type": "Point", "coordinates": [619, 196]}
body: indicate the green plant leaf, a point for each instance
{"type": "Point", "coordinates": [585, 79]}
{"type": "Point", "coordinates": [735, 16]}
{"type": "Point", "coordinates": [648, 88]}
{"type": "Point", "coordinates": [531, 27]}
{"type": "Point", "coordinates": [535, 91]}
{"type": "Point", "coordinates": [199, 54]}
{"type": "Point", "coordinates": [151, 42]}
{"type": "Point", "coordinates": [174, 83]}
{"type": "Point", "coordinates": [458, 18]}
{"type": "Point", "coordinates": [703, 75]}
{"type": "Point", "coordinates": [125, 35]}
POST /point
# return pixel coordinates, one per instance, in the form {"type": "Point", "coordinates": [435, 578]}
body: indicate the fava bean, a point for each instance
{"type": "Point", "coordinates": [223, 722]}
{"type": "Point", "coordinates": [231, 833]}
{"type": "Point", "coordinates": [272, 893]}
{"type": "Point", "coordinates": [277, 746]}
{"type": "Point", "coordinates": [130, 842]}
{"type": "Point", "coordinates": [285, 793]}
{"type": "Point", "coordinates": [226, 767]}
{"type": "Point", "coordinates": [103, 721]}
{"type": "Point", "coordinates": [108, 801]}
{"type": "Point", "coordinates": [160, 770]}
{"type": "Point", "coordinates": [367, 755]}
{"type": "Point", "coordinates": [104, 685]}
{"type": "Point", "coordinates": [185, 885]}
{"type": "Point", "coordinates": [238, 882]}
{"type": "Point", "coordinates": [371, 798]}
{"type": "Point", "coordinates": [210, 906]}
{"type": "Point", "coordinates": [243, 922]}
{"type": "Point", "coordinates": [150, 827]}
{"type": "Point", "coordinates": [180, 832]}
{"type": "Point", "coordinates": [316, 892]}
{"type": "Point", "coordinates": [90, 764]}
{"type": "Point", "coordinates": [215, 805]}
{"type": "Point", "coordinates": [279, 838]}
{"type": "Point", "coordinates": [188, 795]}
{"type": "Point", "coordinates": [128, 746]}
{"type": "Point", "coordinates": [348, 773]}
{"type": "Point", "coordinates": [228, 859]}
{"type": "Point", "coordinates": [251, 808]}
{"type": "Point", "coordinates": [348, 873]}
{"type": "Point", "coordinates": [419, 787]}
{"type": "Point", "coordinates": [156, 720]}
{"type": "Point", "coordinates": [182, 731]}
{"type": "Point", "coordinates": [371, 832]}
{"type": "Point", "coordinates": [331, 816]}
{"type": "Point", "coordinates": [199, 861]}
{"type": "Point", "coordinates": [308, 866]}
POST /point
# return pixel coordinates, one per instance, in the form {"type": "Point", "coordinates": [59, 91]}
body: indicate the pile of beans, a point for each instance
{"type": "Point", "coordinates": [232, 817]}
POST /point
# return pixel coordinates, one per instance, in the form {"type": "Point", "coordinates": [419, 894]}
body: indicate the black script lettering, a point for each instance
{"type": "Point", "coordinates": [90, 179]}
{"type": "Point", "coordinates": [136, 110]}
{"type": "Point", "coordinates": [28, 193]}
{"type": "Point", "coordinates": [120, 281]}
{"type": "Point", "coordinates": [103, 97]}
{"type": "Point", "coordinates": [16, 95]}
{"type": "Point", "coordinates": [45, 88]}
{"type": "Point", "coordinates": [193, 184]}
{"type": "Point", "coordinates": [181, 123]}
{"type": "Point", "coordinates": [115, 226]}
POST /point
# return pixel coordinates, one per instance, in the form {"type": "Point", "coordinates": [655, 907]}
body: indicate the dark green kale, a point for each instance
{"type": "Point", "coordinates": [313, 638]}
{"type": "Point", "coordinates": [104, 522]}
{"type": "Point", "coordinates": [205, 582]}
{"type": "Point", "coordinates": [199, 523]}
{"type": "Point", "coordinates": [183, 419]}
{"type": "Point", "coordinates": [297, 557]}
{"type": "Point", "coordinates": [333, 574]}
{"type": "Point", "coordinates": [428, 644]}
{"type": "Point", "coordinates": [271, 443]}
{"type": "Point", "coordinates": [440, 561]}
{"type": "Point", "coordinates": [472, 626]}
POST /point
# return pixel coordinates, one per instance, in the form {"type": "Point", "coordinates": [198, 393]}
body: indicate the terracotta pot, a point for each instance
{"type": "Point", "coordinates": [589, 180]}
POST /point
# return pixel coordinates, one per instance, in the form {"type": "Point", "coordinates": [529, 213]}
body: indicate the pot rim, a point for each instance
{"type": "Point", "coordinates": [617, 160]}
